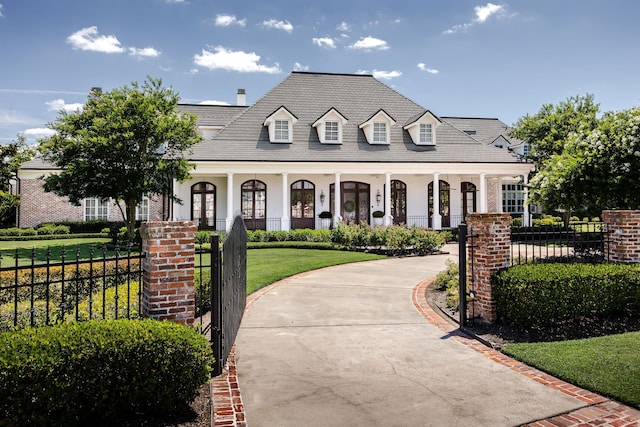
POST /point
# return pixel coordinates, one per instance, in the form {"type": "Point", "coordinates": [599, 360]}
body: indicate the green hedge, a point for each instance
{"type": "Point", "coordinates": [396, 239]}
{"type": "Point", "coordinates": [546, 294]}
{"type": "Point", "coordinates": [86, 373]}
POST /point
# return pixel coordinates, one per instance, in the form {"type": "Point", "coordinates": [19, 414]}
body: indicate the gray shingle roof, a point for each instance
{"type": "Point", "coordinates": [487, 129]}
{"type": "Point", "coordinates": [213, 115]}
{"type": "Point", "coordinates": [310, 95]}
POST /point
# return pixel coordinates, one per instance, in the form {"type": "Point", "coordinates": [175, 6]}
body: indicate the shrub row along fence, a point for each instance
{"type": "Point", "coordinates": [48, 291]}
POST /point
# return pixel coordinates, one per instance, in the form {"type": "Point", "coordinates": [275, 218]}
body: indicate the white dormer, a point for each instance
{"type": "Point", "coordinates": [280, 125]}
{"type": "Point", "coordinates": [329, 127]}
{"type": "Point", "coordinates": [377, 129]}
{"type": "Point", "coordinates": [423, 129]}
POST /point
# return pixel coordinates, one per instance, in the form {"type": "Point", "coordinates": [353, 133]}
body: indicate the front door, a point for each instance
{"type": "Point", "coordinates": [203, 205]}
{"type": "Point", "coordinates": [399, 202]}
{"type": "Point", "coordinates": [355, 200]}
{"type": "Point", "coordinates": [445, 191]}
{"type": "Point", "coordinates": [468, 191]}
{"type": "Point", "coordinates": [254, 204]}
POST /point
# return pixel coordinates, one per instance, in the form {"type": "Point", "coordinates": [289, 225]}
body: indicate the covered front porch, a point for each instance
{"type": "Point", "coordinates": [270, 198]}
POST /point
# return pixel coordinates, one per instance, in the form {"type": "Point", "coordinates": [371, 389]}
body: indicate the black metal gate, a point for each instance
{"type": "Point", "coordinates": [466, 290]}
{"type": "Point", "coordinates": [228, 290]}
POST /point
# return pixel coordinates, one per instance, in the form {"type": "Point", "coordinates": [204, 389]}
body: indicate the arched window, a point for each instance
{"type": "Point", "coordinates": [399, 202]}
{"type": "Point", "coordinates": [468, 194]}
{"type": "Point", "coordinates": [203, 205]}
{"type": "Point", "coordinates": [254, 204]}
{"type": "Point", "coordinates": [303, 196]}
{"type": "Point", "coordinates": [445, 191]}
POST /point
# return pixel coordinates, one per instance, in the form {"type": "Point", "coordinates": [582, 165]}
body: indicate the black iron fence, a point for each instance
{"type": "Point", "coordinates": [579, 242]}
{"type": "Point", "coordinates": [40, 290]}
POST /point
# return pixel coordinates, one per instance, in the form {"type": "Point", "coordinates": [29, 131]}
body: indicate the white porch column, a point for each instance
{"type": "Point", "coordinates": [285, 222]}
{"type": "Point", "coordinates": [229, 219]}
{"type": "Point", "coordinates": [483, 193]}
{"type": "Point", "coordinates": [337, 202]}
{"type": "Point", "coordinates": [436, 218]}
{"type": "Point", "coordinates": [526, 215]}
{"type": "Point", "coordinates": [175, 206]}
{"type": "Point", "coordinates": [388, 219]}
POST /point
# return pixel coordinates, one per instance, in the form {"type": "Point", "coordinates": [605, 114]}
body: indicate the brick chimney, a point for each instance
{"type": "Point", "coordinates": [241, 99]}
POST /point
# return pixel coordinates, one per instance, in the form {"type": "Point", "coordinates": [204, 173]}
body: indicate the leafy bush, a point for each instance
{"type": "Point", "coordinates": [449, 280]}
{"type": "Point", "coordinates": [546, 294]}
{"type": "Point", "coordinates": [82, 373]}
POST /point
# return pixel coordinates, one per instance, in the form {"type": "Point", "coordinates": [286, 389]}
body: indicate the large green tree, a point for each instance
{"type": "Point", "coordinates": [12, 156]}
{"type": "Point", "coordinates": [555, 183]}
{"type": "Point", "coordinates": [124, 144]}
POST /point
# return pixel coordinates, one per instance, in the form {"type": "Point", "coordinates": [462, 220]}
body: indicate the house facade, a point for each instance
{"type": "Point", "coordinates": [339, 143]}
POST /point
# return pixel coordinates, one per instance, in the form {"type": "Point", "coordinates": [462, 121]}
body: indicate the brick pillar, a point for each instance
{"type": "Point", "coordinates": [623, 235]}
{"type": "Point", "coordinates": [168, 270]}
{"type": "Point", "coordinates": [490, 249]}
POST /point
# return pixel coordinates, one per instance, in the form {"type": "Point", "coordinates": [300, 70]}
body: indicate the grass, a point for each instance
{"type": "Point", "coordinates": [608, 365]}
{"type": "Point", "coordinates": [266, 266]}
{"type": "Point", "coordinates": [25, 248]}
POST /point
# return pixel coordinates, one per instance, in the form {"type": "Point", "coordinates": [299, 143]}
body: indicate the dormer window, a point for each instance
{"type": "Point", "coordinates": [423, 129]}
{"type": "Point", "coordinates": [426, 133]}
{"type": "Point", "coordinates": [280, 125]}
{"type": "Point", "coordinates": [329, 127]}
{"type": "Point", "coordinates": [377, 128]}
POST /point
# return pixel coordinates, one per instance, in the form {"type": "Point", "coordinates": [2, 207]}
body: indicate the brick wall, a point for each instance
{"type": "Point", "coordinates": [38, 206]}
{"type": "Point", "coordinates": [168, 270]}
{"type": "Point", "coordinates": [624, 235]}
{"type": "Point", "coordinates": [491, 246]}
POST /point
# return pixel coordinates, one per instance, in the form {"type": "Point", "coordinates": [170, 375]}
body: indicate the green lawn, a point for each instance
{"type": "Point", "coordinates": [84, 245]}
{"type": "Point", "coordinates": [266, 266]}
{"type": "Point", "coordinates": [607, 365]}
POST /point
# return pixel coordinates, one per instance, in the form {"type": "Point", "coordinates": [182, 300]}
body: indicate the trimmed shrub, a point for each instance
{"type": "Point", "coordinates": [449, 280]}
{"type": "Point", "coordinates": [84, 373]}
{"type": "Point", "coordinates": [545, 294]}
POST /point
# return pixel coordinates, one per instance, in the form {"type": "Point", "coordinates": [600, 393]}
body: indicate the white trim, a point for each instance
{"type": "Point", "coordinates": [281, 114]}
{"type": "Point", "coordinates": [367, 127]}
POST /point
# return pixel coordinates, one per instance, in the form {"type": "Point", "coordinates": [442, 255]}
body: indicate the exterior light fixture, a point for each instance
{"type": "Point", "coordinates": [321, 197]}
{"type": "Point", "coordinates": [378, 197]}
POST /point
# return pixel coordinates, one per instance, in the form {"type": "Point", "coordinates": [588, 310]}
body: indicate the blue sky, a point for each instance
{"type": "Point", "coordinates": [455, 58]}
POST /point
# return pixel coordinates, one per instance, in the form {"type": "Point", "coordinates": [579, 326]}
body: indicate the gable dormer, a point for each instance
{"type": "Point", "coordinates": [377, 129]}
{"type": "Point", "coordinates": [329, 127]}
{"type": "Point", "coordinates": [423, 129]}
{"type": "Point", "coordinates": [280, 124]}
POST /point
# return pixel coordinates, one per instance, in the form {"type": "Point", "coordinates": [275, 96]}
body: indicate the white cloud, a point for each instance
{"type": "Point", "coordinates": [39, 132]}
{"type": "Point", "coordinates": [343, 27]}
{"type": "Point", "coordinates": [1, 15]}
{"type": "Point", "coordinates": [228, 20]}
{"type": "Point", "coordinates": [299, 67]}
{"type": "Point", "coordinates": [324, 42]}
{"type": "Point", "coordinates": [386, 75]}
{"type": "Point", "coordinates": [227, 59]}
{"type": "Point", "coordinates": [370, 43]}
{"type": "Point", "coordinates": [423, 67]}
{"type": "Point", "coordinates": [89, 39]}
{"type": "Point", "coordinates": [59, 104]}
{"type": "Point", "coordinates": [278, 25]}
{"type": "Point", "coordinates": [176, 1]}
{"type": "Point", "coordinates": [483, 13]}
{"type": "Point", "coordinates": [362, 72]}
{"type": "Point", "coordinates": [146, 52]}
{"type": "Point", "coordinates": [212, 102]}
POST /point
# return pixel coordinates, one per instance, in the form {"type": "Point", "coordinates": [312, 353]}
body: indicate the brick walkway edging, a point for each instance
{"type": "Point", "coordinates": [599, 411]}
{"type": "Point", "coordinates": [228, 409]}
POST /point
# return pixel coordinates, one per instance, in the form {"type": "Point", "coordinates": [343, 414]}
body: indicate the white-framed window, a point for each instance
{"type": "Point", "coordinates": [426, 133]}
{"type": "Point", "coordinates": [142, 210]}
{"type": "Point", "coordinates": [282, 130]}
{"type": "Point", "coordinates": [95, 208]}
{"type": "Point", "coordinates": [331, 131]}
{"type": "Point", "coordinates": [379, 132]}
{"type": "Point", "coordinates": [513, 198]}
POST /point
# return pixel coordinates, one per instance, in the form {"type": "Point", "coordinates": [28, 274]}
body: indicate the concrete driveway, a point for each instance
{"type": "Point", "coordinates": [345, 346]}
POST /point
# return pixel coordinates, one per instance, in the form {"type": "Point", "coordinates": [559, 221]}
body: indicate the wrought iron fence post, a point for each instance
{"type": "Point", "coordinates": [216, 307]}
{"type": "Point", "coordinates": [462, 273]}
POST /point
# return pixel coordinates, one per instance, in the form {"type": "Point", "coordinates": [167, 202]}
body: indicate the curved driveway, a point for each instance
{"type": "Point", "coordinates": [345, 346]}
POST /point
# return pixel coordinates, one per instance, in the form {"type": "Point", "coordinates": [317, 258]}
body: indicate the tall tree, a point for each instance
{"type": "Point", "coordinates": [124, 144]}
{"type": "Point", "coordinates": [12, 156]}
{"type": "Point", "coordinates": [548, 134]}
